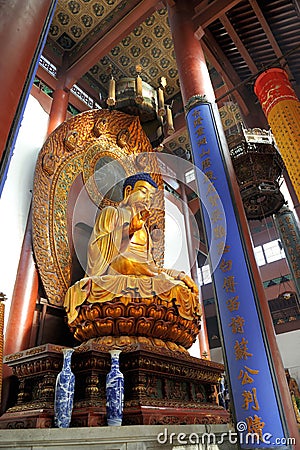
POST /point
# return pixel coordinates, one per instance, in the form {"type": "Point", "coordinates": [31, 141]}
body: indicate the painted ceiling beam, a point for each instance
{"type": "Point", "coordinates": [265, 27]}
{"type": "Point", "coordinates": [267, 30]}
{"type": "Point", "coordinates": [205, 14]}
{"type": "Point", "coordinates": [224, 68]}
{"type": "Point", "coordinates": [238, 43]}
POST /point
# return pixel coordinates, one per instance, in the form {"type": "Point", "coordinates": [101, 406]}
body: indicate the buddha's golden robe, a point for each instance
{"type": "Point", "coordinates": [131, 272]}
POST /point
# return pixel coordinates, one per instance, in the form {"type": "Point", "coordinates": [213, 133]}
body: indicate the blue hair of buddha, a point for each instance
{"type": "Point", "coordinates": [141, 176]}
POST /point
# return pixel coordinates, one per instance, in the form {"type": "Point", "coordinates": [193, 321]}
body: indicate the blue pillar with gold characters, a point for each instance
{"type": "Point", "coordinates": [253, 388]}
{"type": "Point", "coordinates": [262, 406]}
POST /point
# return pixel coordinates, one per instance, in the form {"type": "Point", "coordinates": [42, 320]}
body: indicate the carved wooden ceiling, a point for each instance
{"type": "Point", "coordinates": [241, 39]}
{"type": "Point", "coordinates": [149, 44]}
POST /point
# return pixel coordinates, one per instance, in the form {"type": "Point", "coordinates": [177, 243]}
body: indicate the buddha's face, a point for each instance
{"type": "Point", "coordinates": [140, 195]}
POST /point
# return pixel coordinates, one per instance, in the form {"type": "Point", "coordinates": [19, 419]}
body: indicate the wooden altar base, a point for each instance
{"type": "Point", "coordinates": [161, 387]}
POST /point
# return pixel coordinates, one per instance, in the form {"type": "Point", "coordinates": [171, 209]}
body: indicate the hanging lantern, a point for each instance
{"type": "Point", "coordinates": [134, 96]}
{"type": "Point", "coordinates": [258, 167]}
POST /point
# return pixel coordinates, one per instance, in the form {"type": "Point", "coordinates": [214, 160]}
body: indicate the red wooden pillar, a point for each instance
{"type": "Point", "coordinates": [23, 29]}
{"type": "Point", "coordinates": [59, 107]}
{"type": "Point", "coordinates": [25, 294]}
{"type": "Point", "coordinates": [191, 64]}
{"type": "Point", "coordinates": [23, 32]}
{"type": "Point", "coordinates": [23, 300]}
{"type": "Point", "coordinates": [197, 89]}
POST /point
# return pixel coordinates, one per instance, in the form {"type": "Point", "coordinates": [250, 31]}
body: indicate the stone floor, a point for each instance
{"type": "Point", "coordinates": [136, 437]}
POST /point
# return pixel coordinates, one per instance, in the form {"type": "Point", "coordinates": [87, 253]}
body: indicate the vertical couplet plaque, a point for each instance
{"type": "Point", "coordinates": [256, 404]}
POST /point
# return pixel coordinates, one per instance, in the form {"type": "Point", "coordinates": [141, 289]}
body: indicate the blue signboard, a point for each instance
{"type": "Point", "coordinates": [254, 394]}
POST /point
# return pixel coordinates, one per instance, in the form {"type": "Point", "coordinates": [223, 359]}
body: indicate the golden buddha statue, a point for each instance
{"type": "Point", "coordinates": [121, 267]}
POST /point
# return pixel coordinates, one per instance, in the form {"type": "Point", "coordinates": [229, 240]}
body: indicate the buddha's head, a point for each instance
{"type": "Point", "coordinates": [139, 189]}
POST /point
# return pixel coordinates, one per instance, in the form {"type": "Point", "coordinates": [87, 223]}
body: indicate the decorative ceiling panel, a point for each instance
{"type": "Point", "coordinates": [76, 21]}
{"type": "Point", "coordinates": [149, 45]}
{"type": "Point", "coordinates": [268, 34]}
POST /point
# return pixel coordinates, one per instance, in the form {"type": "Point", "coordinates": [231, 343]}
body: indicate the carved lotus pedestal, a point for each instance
{"type": "Point", "coordinates": [161, 387]}
{"type": "Point", "coordinates": [124, 321]}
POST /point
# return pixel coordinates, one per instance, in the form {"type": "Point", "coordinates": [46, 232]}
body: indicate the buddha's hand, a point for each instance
{"type": "Point", "coordinates": [189, 282]}
{"type": "Point", "coordinates": [139, 216]}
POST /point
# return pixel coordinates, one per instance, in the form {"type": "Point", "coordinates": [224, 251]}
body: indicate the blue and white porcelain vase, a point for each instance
{"type": "Point", "coordinates": [114, 391]}
{"type": "Point", "coordinates": [64, 392]}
